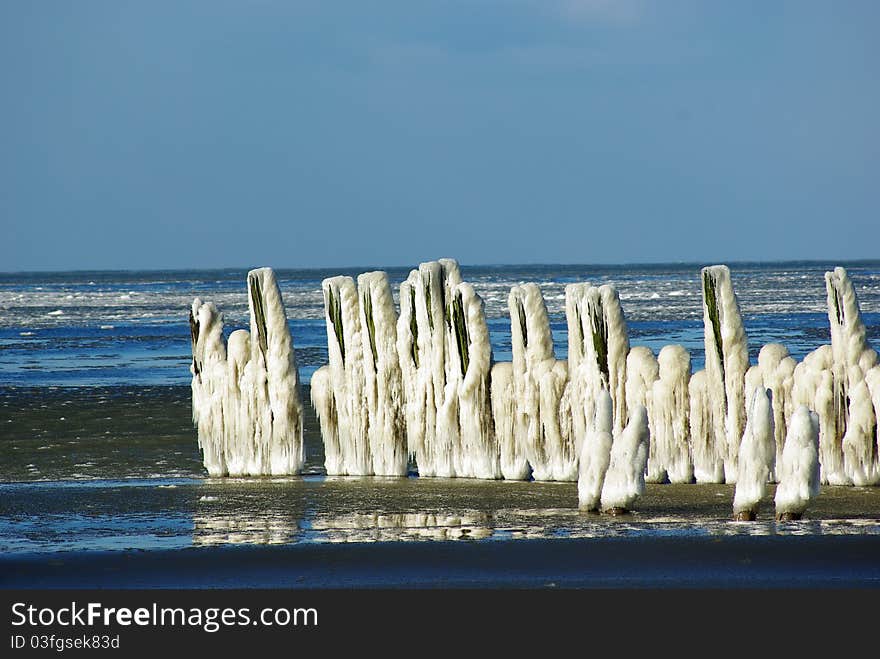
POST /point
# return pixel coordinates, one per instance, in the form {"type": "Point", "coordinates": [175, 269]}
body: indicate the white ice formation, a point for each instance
{"type": "Point", "coordinates": [625, 477]}
{"type": "Point", "coordinates": [757, 452]}
{"type": "Point", "coordinates": [642, 370]}
{"type": "Point", "coordinates": [246, 395]}
{"type": "Point", "coordinates": [727, 359]}
{"type": "Point", "coordinates": [707, 459]}
{"type": "Point", "coordinates": [595, 455]}
{"type": "Point", "coordinates": [669, 410]}
{"type": "Point", "coordinates": [852, 358]}
{"type": "Point", "coordinates": [814, 387]}
{"type": "Point", "coordinates": [775, 372]}
{"type": "Point", "coordinates": [358, 396]}
{"type": "Point", "coordinates": [839, 383]}
{"type": "Point", "coordinates": [446, 359]}
{"type": "Point", "coordinates": [798, 469]}
{"type": "Point", "coordinates": [422, 385]}
{"type": "Point", "coordinates": [598, 345]}
{"type": "Point", "coordinates": [541, 426]}
{"type": "Point", "coordinates": [512, 451]}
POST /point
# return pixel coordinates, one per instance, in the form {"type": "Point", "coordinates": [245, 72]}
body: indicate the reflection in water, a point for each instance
{"type": "Point", "coordinates": [223, 529]}
{"type": "Point", "coordinates": [175, 513]}
{"type": "Point", "coordinates": [256, 511]}
{"type": "Point", "coordinates": [382, 527]}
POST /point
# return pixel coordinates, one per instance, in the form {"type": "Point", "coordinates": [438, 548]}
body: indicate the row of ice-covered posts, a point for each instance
{"type": "Point", "coordinates": [422, 384]}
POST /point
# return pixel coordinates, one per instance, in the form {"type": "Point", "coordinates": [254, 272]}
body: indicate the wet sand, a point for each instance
{"type": "Point", "coordinates": [103, 488]}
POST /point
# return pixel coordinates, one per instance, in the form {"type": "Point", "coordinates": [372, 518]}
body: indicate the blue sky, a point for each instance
{"type": "Point", "coordinates": [297, 134]}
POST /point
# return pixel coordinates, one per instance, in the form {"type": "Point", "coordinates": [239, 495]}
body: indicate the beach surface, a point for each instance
{"type": "Point", "coordinates": [103, 488]}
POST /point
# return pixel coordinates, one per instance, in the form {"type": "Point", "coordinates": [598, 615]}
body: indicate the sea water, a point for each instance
{"type": "Point", "coordinates": [97, 449]}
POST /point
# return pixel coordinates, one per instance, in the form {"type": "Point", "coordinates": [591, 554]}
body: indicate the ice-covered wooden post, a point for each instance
{"type": "Point", "coordinates": [727, 360]}
{"type": "Point", "coordinates": [757, 452]}
{"type": "Point", "coordinates": [445, 359]}
{"type": "Point", "coordinates": [841, 383]}
{"type": "Point", "coordinates": [358, 396]}
{"type": "Point", "coordinates": [855, 418]}
{"type": "Point", "coordinates": [798, 469]}
{"type": "Point", "coordinates": [669, 410]}
{"type": "Point", "coordinates": [775, 372]}
{"type": "Point", "coordinates": [539, 384]}
{"type": "Point", "coordinates": [598, 346]}
{"type": "Point", "coordinates": [247, 405]}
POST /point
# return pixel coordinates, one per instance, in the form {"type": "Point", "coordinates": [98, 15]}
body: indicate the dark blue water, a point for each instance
{"type": "Point", "coordinates": [110, 328]}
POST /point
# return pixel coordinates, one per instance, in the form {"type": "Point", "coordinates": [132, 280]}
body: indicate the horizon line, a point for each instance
{"type": "Point", "coordinates": [369, 268]}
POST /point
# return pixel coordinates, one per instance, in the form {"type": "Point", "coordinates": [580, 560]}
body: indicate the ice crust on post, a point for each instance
{"type": "Point", "coordinates": [539, 384]}
{"type": "Point", "coordinates": [798, 469]}
{"type": "Point", "coordinates": [446, 359]}
{"type": "Point", "coordinates": [339, 397]}
{"type": "Point", "coordinates": [727, 360]}
{"type": "Point", "coordinates": [775, 372]}
{"type": "Point", "coordinates": [598, 346]}
{"type": "Point", "coordinates": [359, 397]}
{"type": "Point", "coordinates": [386, 428]}
{"type": "Point", "coordinates": [642, 370]}
{"type": "Point", "coordinates": [513, 454]}
{"type": "Point", "coordinates": [625, 477]}
{"type": "Point", "coordinates": [208, 368]}
{"type": "Point", "coordinates": [274, 377]}
{"type": "Point", "coordinates": [595, 454]}
{"type": "Point", "coordinates": [757, 452]}
{"type": "Point", "coordinates": [855, 418]}
{"type": "Point", "coordinates": [813, 387]}
{"type": "Point", "coordinates": [669, 412]}
{"type": "Point", "coordinates": [247, 404]}
{"type": "Point", "coordinates": [706, 452]}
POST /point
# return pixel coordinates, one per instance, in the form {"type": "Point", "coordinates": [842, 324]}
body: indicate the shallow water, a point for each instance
{"type": "Point", "coordinates": [121, 470]}
{"type": "Point", "coordinates": [178, 513]}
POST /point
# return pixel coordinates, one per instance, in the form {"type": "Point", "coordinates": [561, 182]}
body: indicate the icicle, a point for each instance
{"type": "Point", "coordinates": [798, 469]}
{"type": "Point", "coordinates": [641, 372]}
{"type": "Point", "coordinates": [583, 385]}
{"type": "Point", "coordinates": [625, 477]}
{"type": "Point", "coordinates": [514, 459]}
{"type": "Point", "coordinates": [208, 368]}
{"type": "Point", "coordinates": [777, 371]}
{"type": "Point", "coordinates": [346, 379]}
{"type": "Point", "coordinates": [860, 451]}
{"type": "Point", "coordinates": [539, 382]}
{"type": "Point", "coordinates": [813, 386]}
{"type": "Point", "coordinates": [872, 381]}
{"type": "Point", "coordinates": [239, 420]}
{"type": "Point", "coordinates": [756, 454]}
{"type": "Point", "coordinates": [595, 455]}
{"type": "Point", "coordinates": [324, 403]}
{"type": "Point", "coordinates": [707, 457]}
{"type": "Point", "coordinates": [852, 358]}
{"type": "Point", "coordinates": [727, 359]}
{"type": "Point", "coordinates": [383, 391]}
{"type": "Point", "coordinates": [669, 408]}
